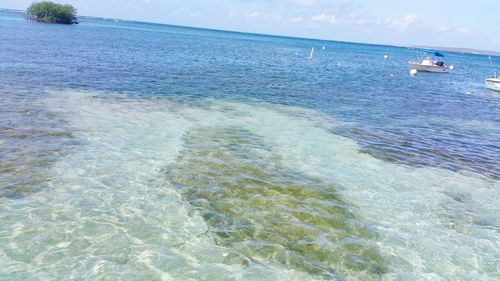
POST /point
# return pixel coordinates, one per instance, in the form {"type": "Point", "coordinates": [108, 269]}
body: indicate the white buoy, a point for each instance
{"type": "Point", "coordinates": [413, 72]}
{"type": "Point", "coordinates": [386, 56]}
{"type": "Point", "coordinates": [452, 67]}
{"type": "Point", "coordinates": [324, 47]}
{"type": "Point", "coordinates": [312, 53]}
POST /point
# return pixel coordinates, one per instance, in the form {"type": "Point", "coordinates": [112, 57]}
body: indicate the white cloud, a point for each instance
{"type": "Point", "coordinates": [361, 21]}
{"type": "Point", "coordinates": [407, 21]}
{"type": "Point", "coordinates": [324, 18]}
{"type": "Point", "coordinates": [187, 12]}
{"type": "Point", "coordinates": [443, 29]}
{"type": "Point", "coordinates": [401, 24]}
{"type": "Point", "coordinates": [255, 14]}
{"type": "Point", "coordinates": [233, 14]}
{"type": "Point", "coordinates": [259, 14]}
{"type": "Point", "coordinates": [307, 3]}
{"type": "Point", "coordinates": [451, 29]}
{"type": "Point", "coordinates": [297, 19]}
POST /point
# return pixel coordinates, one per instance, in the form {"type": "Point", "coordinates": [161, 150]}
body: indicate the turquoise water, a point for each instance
{"type": "Point", "coordinates": [136, 151]}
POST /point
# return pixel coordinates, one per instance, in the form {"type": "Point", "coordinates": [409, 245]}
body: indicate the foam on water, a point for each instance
{"type": "Point", "coordinates": [143, 198]}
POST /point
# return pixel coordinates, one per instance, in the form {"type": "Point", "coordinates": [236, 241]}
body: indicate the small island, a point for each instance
{"type": "Point", "coordinates": [51, 12]}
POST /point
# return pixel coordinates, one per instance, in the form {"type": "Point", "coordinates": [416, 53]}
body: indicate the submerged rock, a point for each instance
{"type": "Point", "coordinates": [267, 212]}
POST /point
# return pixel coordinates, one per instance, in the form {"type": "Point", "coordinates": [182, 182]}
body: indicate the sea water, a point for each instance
{"type": "Point", "coordinates": [138, 151]}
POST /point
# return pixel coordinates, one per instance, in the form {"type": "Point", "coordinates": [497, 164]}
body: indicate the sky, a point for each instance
{"type": "Point", "coordinates": [442, 23]}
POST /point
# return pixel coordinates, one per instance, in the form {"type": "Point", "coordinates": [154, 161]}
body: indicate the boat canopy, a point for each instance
{"type": "Point", "coordinates": [437, 54]}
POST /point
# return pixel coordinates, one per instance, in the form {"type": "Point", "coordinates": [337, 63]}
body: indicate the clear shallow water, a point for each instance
{"type": "Point", "coordinates": [139, 151]}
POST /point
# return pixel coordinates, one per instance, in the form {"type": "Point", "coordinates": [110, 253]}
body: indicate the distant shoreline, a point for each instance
{"type": "Point", "coordinates": [459, 50]}
{"type": "Point", "coordinates": [470, 51]}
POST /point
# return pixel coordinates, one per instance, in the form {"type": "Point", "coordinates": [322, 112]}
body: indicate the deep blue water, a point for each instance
{"type": "Point", "coordinates": [436, 120]}
{"type": "Point", "coordinates": [445, 123]}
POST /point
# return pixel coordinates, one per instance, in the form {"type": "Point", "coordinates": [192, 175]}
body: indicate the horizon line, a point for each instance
{"type": "Point", "coordinates": [459, 50]}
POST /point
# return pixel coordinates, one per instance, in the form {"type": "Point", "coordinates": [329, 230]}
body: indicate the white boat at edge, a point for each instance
{"type": "Point", "coordinates": [427, 64]}
{"type": "Point", "coordinates": [493, 83]}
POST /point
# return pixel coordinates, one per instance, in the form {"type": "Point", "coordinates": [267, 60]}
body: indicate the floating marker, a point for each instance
{"type": "Point", "coordinates": [386, 56]}
{"type": "Point", "coordinates": [452, 67]}
{"type": "Point", "coordinates": [324, 47]}
{"type": "Point", "coordinates": [312, 53]}
{"type": "Point", "coordinates": [413, 72]}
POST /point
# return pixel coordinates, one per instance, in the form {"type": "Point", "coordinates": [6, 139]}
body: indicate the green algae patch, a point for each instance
{"type": "Point", "coordinates": [269, 213]}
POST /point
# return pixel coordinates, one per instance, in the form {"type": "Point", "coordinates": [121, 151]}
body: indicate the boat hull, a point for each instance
{"type": "Point", "coordinates": [493, 84]}
{"type": "Point", "coordinates": [429, 68]}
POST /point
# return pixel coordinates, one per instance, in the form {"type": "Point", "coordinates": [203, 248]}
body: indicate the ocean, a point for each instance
{"type": "Point", "coordinates": [138, 151]}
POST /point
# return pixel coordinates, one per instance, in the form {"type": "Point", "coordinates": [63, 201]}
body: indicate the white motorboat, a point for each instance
{"type": "Point", "coordinates": [493, 83]}
{"type": "Point", "coordinates": [428, 63]}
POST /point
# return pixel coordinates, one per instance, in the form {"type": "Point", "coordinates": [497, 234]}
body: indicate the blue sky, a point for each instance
{"type": "Point", "coordinates": [448, 23]}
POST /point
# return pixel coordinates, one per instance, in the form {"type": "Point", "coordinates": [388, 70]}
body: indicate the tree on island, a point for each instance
{"type": "Point", "coordinates": [47, 11]}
